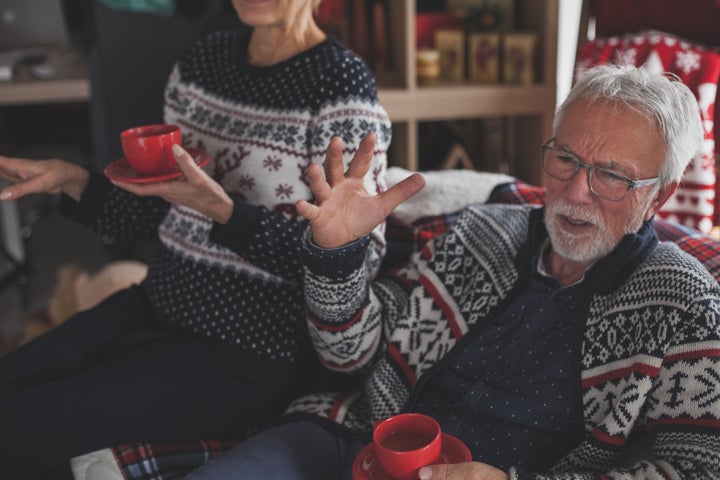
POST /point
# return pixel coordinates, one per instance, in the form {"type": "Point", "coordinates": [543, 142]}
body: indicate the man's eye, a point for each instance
{"type": "Point", "coordinates": [565, 158]}
{"type": "Point", "coordinates": [610, 176]}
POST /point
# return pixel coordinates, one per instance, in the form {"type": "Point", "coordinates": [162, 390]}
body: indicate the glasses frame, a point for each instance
{"type": "Point", "coordinates": [631, 184]}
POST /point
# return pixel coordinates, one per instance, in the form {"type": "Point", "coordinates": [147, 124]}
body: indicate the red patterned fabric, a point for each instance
{"type": "Point", "coordinates": [694, 203]}
{"type": "Point", "coordinates": [169, 460]}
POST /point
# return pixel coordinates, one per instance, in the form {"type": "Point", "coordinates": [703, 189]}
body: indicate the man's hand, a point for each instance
{"type": "Point", "coordinates": [196, 190]}
{"type": "Point", "coordinates": [462, 471]}
{"type": "Point", "coordinates": [343, 210]}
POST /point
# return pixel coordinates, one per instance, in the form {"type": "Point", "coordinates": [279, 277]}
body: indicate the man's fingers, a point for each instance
{"type": "Point", "coordinates": [334, 167]}
{"type": "Point", "coordinates": [307, 210]}
{"type": "Point", "coordinates": [462, 471]}
{"type": "Point", "coordinates": [318, 186]}
{"type": "Point", "coordinates": [363, 157]}
{"type": "Point", "coordinates": [402, 191]}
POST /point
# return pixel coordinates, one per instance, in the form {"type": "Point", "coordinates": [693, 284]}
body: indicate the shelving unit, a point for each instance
{"type": "Point", "coordinates": [526, 110]}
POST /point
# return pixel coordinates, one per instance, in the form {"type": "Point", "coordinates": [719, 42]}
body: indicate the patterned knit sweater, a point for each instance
{"type": "Point", "coordinates": [241, 283]}
{"type": "Point", "coordinates": [649, 356]}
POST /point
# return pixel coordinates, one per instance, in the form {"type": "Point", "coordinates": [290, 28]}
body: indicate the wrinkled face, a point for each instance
{"type": "Point", "coordinates": [583, 227]}
{"type": "Point", "coordinates": [264, 13]}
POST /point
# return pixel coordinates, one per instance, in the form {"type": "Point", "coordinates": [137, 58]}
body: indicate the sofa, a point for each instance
{"type": "Point", "coordinates": [411, 225]}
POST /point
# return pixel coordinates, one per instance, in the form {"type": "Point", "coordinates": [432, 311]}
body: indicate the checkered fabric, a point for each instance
{"type": "Point", "coordinates": [405, 238]}
{"type": "Point", "coordinates": [169, 460]}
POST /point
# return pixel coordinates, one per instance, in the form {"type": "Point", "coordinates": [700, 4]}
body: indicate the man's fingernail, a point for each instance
{"type": "Point", "coordinates": [425, 473]}
{"type": "Point", "coordinates": [177, 150]}
{"type": "Point", "coordinates": [5, 195]}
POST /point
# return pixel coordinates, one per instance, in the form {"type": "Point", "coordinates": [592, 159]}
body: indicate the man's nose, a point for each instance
{"type": "Point", "coordinates": [578, 187]}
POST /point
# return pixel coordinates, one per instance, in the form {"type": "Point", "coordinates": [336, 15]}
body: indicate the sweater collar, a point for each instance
{"type": "Point", "coordinates": [609, 272]}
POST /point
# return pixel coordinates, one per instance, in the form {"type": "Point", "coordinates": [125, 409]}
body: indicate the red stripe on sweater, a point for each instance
{"type": "Point", "coordinates": [337, 405]}
{"type": "Point", "coordinates": [710, 352]}
{"type": "Point", "coordinates": [400, 360]}
{"type": "Point", "coordinates": [638, 367]}
{"type": "Point", "coordinates": [604, 437]}
{"type": "Point", "coordinates": [330, 328]}
{"type": "Point", "coordinates": [449, 314]}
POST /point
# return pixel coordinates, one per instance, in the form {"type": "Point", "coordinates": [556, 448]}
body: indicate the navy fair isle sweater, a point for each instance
{"type": "Point", "coordinates": [648, 356]}
{"type": "Point", "coordinates": [240, 283]}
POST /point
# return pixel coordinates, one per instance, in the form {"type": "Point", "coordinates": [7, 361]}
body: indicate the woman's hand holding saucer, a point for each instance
{"type": "Point", "coordinates": [196, 189]}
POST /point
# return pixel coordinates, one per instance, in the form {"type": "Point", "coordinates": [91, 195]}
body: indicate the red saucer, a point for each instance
{"type": "Point", "coordinates": [366, 466]}
{"type": "Point", "coordinates": [121, 171]}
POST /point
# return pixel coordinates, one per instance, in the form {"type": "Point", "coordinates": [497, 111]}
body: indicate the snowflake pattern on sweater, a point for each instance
{"type": "Point", "coordinates": [240, 283]}
{"type": "Point", "coordinates": [649, 353]}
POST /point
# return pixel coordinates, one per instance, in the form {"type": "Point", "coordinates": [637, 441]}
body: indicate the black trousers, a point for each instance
{"type": "Point", "coordinates": [115, 375]}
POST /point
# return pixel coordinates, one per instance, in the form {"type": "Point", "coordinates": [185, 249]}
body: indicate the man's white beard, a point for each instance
{"type": "Point", "coordinates": [593, 245]}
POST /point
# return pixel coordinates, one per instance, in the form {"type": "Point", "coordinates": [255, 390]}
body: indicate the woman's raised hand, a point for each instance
{"type": "Point", "coordinates": [41, 176]}
{"type": "Point", "coordinates": [343, 211]}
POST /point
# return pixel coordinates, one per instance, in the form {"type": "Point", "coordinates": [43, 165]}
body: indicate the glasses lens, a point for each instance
{"type": "Point", "coordinates": [608, 185]}
{"type": "Point", "coordinates": [559, 164]}
{"type": "Point", "coordinates": [603, 183]}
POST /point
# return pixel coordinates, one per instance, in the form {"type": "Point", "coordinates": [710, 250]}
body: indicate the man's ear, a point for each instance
{"type": "Point", "coordinates": [661, 197]}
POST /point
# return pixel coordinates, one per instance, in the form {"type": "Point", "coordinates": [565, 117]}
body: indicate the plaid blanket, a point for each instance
{"type": "Point", "coordinates": [170, 460]}
{"type": "Point", "coordinates": [167, 461]}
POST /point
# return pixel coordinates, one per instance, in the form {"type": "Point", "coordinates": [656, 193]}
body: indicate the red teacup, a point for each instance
{"type": "Point", "coordinates": [407, 442]}
{"type": "Point", "coordinates": [148, 148]}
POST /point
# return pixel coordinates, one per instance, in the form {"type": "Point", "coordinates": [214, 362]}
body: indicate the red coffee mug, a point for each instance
{"type": "Point", "coordinates": [148, 148]}
{"type": "Point", "coordinates": [407, 442]}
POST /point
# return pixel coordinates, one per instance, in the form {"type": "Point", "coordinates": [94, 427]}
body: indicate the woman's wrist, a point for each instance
{"type": "Point", "coordinates": [223, 211]}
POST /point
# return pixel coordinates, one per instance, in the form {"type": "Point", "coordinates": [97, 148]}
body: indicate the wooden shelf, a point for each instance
{"type": "Point", "coordinates": [70, 84]}
{"type": "Point", "coordinates": [529, 108]}
{"type": "Point", "coordinates": [466, 101]}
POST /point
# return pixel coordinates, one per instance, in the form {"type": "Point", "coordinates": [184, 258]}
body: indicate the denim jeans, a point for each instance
{"type": "Point", "coordinates": [300, 450]}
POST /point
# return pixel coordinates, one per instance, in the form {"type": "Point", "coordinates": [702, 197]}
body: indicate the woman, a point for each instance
{"type": "Point", "coordinates": [213, 341]}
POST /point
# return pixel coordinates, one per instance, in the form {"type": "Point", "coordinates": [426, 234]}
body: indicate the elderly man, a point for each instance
{"type": "Point", "coordinates": [541, 337]}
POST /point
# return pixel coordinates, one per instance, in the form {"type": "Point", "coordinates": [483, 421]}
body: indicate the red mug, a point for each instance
{"type": "Point", "coordinates": [148, 148]}
{"type": "Point", "coordinates": [407, 442]}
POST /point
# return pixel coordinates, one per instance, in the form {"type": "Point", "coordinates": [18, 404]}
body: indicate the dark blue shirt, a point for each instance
{"type": "Point", "coordinates": [512, 393]}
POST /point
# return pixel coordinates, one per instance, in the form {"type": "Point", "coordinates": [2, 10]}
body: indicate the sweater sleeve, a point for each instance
{"type": "Point", "coordinates": [348, 313]}
{"type": "Point", "coordinates": [682, 409]}
{"type": "Point", "coordinates": [271, 241]}
{"type": "Point", "coordinates": [113, 212]}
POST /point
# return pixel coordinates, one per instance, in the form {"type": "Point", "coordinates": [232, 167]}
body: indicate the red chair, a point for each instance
{"type": "Point", "coordinates": [681, 38]}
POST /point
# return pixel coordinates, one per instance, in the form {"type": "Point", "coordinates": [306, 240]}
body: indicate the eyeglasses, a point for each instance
{"type": "Point", "coordinates": [604, 183]}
